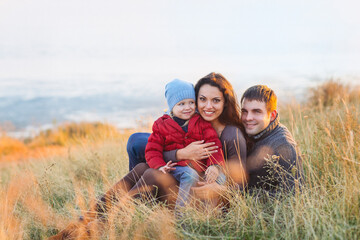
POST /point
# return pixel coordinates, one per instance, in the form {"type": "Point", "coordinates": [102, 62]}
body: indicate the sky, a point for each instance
{"type": "Point", "coordinates": [85, 47]}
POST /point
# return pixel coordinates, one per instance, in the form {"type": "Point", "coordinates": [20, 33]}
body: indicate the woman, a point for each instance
{"type": "Point", "coordinates": [216, 103]}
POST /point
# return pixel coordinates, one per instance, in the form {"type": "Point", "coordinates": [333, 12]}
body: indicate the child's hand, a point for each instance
{"type": "Point", "coordinates": [211, 174]}
{"type": "Point", "coordinates": [168, 167]}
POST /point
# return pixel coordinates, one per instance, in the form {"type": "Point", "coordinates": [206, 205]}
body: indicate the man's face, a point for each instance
{"type": "Point", "coordinates": [255, 117]}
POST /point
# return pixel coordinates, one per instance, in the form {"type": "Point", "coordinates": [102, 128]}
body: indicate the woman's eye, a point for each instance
{"type": "Point", "coordinates": [216, 100]}
{"type": "Point", "coordinates": [202, 99]}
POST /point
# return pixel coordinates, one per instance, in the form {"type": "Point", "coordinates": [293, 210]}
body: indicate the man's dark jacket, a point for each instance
{"type": "Point", "coordinates": [273, 162]}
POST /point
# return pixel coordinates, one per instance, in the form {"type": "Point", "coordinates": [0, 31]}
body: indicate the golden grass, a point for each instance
{"type": "Point", "coordinates": [41, 196]}
{"type": "Point", "coordinates": [56, 142]}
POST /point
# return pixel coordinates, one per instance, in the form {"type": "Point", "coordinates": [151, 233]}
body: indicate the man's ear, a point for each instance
{"type": "Point", "coordinates": [273, 115]}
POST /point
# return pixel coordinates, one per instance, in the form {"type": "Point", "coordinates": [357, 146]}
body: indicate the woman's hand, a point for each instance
{"type": "Point", "coordinates": [211, 174]}
{"type": "Point", "coordinates": [196, 151]}
{"type": "Point", "coordinates": [168, 167]}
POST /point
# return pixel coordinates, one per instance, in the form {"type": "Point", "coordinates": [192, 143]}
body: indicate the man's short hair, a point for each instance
{"type": "Point", "coordinates": [261, 93]}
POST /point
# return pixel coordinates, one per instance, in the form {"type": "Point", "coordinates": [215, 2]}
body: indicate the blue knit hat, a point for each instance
{"type": "Point", "coordinates": [178, 90]}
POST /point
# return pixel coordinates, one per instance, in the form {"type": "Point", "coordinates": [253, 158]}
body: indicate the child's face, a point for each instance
{"type": "Point", "coordinates": [184, 109]}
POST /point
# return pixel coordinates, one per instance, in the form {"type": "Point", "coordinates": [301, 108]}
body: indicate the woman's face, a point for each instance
{"type": "Point", "coordinates": [210, 102]}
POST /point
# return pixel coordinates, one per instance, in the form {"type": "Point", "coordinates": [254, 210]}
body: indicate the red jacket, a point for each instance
{"type": "Point", "coordinates": [168, 135]}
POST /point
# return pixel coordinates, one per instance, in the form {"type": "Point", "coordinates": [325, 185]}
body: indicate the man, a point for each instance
{"type": "Point", "coordinates": [273, 162]}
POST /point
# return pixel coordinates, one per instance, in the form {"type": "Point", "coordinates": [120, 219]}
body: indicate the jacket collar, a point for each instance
{"type": "Point", "coordinates": [175, 125]}
{"type": "Point", "coordinates": [266, 132]}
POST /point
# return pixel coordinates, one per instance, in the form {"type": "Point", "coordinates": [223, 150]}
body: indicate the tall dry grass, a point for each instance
{"type": "Point", "coordinates": [39, 198]}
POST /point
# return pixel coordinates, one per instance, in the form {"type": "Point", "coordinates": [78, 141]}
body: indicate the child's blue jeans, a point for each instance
{"type": "Point", "coordinates": [187, 177]}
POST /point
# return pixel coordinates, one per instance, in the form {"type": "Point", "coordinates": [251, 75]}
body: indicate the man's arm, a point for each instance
{"type": "Point", "coordinates": [287, 167]}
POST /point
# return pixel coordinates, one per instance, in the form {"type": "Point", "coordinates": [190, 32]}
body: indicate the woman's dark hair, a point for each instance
{"type": "Point", "coordinates": [231, 112]}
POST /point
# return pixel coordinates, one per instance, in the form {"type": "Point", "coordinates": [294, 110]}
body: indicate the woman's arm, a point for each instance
{"type": "Point", "coordinates": [194, 151]}
{"type": "Point", "coordinates": [234, 145]}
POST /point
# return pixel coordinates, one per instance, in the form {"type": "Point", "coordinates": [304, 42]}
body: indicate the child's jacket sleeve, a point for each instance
{"type": "Point", "coordinates": [210, 135]}
{"type": "Point", "coordinates": [154, 148]}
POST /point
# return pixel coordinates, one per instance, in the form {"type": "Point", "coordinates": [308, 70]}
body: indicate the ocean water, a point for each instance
{"type": "Point", "coordinates": [43, 86]}
{"type": "Point", "coordinates": [28, 106]}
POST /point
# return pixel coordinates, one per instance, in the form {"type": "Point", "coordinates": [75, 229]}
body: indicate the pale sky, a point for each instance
{"type": "Point", "coordinates": [143, 42]}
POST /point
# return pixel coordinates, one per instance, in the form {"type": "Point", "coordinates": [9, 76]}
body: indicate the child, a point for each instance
{"type": "Point", "coordinates": [176, 130]}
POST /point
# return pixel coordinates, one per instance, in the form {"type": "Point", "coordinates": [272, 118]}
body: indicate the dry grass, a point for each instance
{"type": "Point", "coordinates": [40, 197]}
{"type": "Point", "coordinates": [332, 92]}
{"type": "Point", "coordinates": [56, 142]}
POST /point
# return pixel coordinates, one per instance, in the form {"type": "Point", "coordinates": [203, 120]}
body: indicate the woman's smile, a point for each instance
{"type": "Point", "coordinates": [208, 113]}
